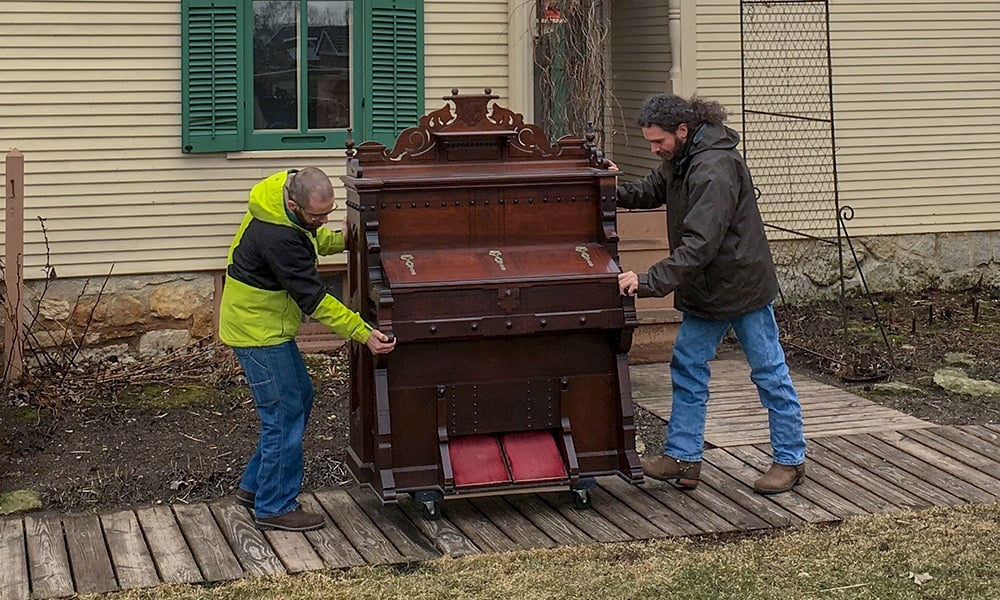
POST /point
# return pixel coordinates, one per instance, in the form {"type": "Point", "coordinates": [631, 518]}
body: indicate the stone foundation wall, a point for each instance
{"type": "Point", "coordinates": [143, 316]}
{"type": "Point", "coordinates": [810, 270]}
{"type": "Point", "coordinates": [133, 316]}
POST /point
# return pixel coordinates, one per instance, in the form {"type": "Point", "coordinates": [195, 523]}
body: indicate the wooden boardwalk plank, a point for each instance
{"type": "Point", "coordinates": [733, 489]}
{"type": "Point", "coordinates": [885, 471]}
{"type": "Point", "coordinates": [478, 527]}
{"type": "Point", "coordinates": [246, 541]}
{"type": "Point", "coordinates": [989, 486]}
{"type": "Point", "coordinates": [817, 417]}
{"type": "Point", "coordinates": [969, 451]}
{"type": "Point", "coordinates": [651, 509]}
{"type": "Point", "coordinates": [395, 526]}
{"type": "Point", "coordinates": [514, 524]}
{"type": "Point", "coordinates": [588, 521]}
{"type": "Point", "coordinates": [722, 434]}
{"type": "Point", "coordinates": [811, 489]}
{"type": "Point", "coordinates": [365, 536]}
{"type": "Point", "coordinates": [48, 563]}
{"type": "Point", "coordinates": [874, 486]}
{"type": "Point", "coordinates": [88, 555]}
{"type": "Point", "coordinates": [794, 503]}
{"type": "Point", "coordinates": [548, 520]}
{"type": "Point", "coordinates": [13, 560]}
{"type": "Point", "coordinates": [622, 516]}
{"type": "Point", "coordinates": [448, 538]}
{"type": "Point", "coordinates": [329, 542]}
{"type": "Point", "coordinates": [922, 470]}
{"type": "Point", "coordinates": [129, 554]}
{"type": "Point", "coordinates": [704, 508]}
{"type": "Point", "coordinates": [208, 546]}
{"type": "Point", "coordinates": [169, 550]}
{"type": "Point", "coordinates": [815, 406]}
{"type": "Point", "coordinates": [294, 550]}
{"type": "Point", "coordinates": [740, 518]}
{"type": "Point", "coordinates": [986, 436]}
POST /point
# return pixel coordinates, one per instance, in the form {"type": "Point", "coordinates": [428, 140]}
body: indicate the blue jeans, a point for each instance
{"type": "Point", "coordinates": [283, 394]}
{"type": "Point", "coordinates": [695, 345]}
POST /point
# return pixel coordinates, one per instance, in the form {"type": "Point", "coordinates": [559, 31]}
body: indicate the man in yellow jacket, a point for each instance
{"type": "Point", "coordinates": [271, 280]}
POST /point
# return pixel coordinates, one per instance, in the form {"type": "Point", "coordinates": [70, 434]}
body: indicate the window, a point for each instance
{"type": "Point", "coordinates": [284, 74]}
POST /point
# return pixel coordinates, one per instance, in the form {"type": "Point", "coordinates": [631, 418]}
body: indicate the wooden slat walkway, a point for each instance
{"type": "Point", "coordinates": [877, 471]}
{"type": "Point", "coordinates": [735, 415]}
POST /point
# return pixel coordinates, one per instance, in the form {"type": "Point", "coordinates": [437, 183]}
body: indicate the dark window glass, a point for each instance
{"type": "Point", "coordinates": [279, 42]}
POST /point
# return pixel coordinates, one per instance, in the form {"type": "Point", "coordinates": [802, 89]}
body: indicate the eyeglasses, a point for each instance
{"type": "Point", "coordinates": [317, 217]}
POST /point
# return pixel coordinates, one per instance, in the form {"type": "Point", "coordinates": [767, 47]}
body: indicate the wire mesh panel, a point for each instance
{"type": "Point", "coordinates": [788, 129]}
{"type": "Point", "coordinates": [789, 141]}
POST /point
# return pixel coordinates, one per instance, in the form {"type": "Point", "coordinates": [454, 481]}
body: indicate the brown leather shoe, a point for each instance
{"type": "Point", "coordinates": [244, 498]}
{"type": "Point", "coordinates": [780, 478]}
{"type": "Point", "coordinates": [297, 520]}
{"type": "Point", "coordinates": [683, 474]}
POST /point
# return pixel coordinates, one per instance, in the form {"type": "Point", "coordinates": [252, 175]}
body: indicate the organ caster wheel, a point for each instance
{"type": "Point", "coordinates": [581, 492]}
{"type": "Point", "coordinates": [430, 502]}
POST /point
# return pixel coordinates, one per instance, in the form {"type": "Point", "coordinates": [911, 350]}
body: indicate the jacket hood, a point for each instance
{"type": "Point", "coordinates": [707, 137]}
{"type": "Point", "coordinates": [267, 200]}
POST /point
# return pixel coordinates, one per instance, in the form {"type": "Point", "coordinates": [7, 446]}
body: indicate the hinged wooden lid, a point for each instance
{"type": "Point", "coordinates": [419, 268]}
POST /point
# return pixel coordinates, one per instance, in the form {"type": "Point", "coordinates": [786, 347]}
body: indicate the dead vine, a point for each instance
{"type": "Point", "coordinates": [571, 78]}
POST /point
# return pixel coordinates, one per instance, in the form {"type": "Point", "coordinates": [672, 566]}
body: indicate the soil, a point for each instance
{"type": "Point", "coordinates": [179, 429]}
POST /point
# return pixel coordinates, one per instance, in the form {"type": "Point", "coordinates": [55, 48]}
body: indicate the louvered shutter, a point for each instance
{"type": "Point", "coordinates": [394, 76]}
{"type": "Point", "coordinates": [210, 62]}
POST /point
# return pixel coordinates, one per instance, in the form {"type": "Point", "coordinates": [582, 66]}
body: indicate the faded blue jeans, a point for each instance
{"type": "Point", "coordinates": [696, 343]}
{"type": "Point", "coordinates": [283, 394]}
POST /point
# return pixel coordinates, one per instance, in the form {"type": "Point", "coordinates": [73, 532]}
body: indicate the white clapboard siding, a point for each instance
{"type": "Point", "coordinates": [466, 49]}
{"type": "Point", "coordinates": [91, 96]}
{"type": "Point", "coordinates": [640, 67]}
{"type": "Point", "coordinates": [917, 100]}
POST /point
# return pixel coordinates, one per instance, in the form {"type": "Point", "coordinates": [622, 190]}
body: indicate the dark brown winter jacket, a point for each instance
{"type": "Point", "coordinates": [720, 265]}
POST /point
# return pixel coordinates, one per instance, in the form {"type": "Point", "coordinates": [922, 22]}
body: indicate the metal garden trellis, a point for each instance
{"type": "Point", "coordinates": [789, 130]}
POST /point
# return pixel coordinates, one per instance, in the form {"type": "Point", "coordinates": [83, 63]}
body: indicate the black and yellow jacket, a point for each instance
{"type": "Point", "coordinates": [271, 277]}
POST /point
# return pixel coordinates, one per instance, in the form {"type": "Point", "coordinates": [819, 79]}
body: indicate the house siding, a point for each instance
{"type": "Point", "coordinates": [917, 100]}
{"type": "Point", "coordinates": [466, 48]}
{"type": "Point", "coordinates": [640, 67]}
{"type": "Point", "coordinates": [91, 97]}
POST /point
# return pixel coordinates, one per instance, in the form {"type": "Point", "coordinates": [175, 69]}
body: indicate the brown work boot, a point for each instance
{"type": "Point", "coordinates": [780, 478]}
{"type": "Point", "coordinates": [297, 520]}
{"type": "Point", "coordinates": [244, 498]}
{"type": "Point", "coordinates": [683, 474]}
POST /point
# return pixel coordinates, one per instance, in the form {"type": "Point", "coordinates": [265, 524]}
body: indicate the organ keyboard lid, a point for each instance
{"type": "Point", "coordinates": [473, 266]}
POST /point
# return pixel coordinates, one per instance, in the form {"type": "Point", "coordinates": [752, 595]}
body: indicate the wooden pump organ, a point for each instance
{"type": "Point", "coordinates": [492, 257]}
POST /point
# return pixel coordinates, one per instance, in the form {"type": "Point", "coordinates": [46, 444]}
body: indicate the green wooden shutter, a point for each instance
{"type": "Point", "coordinates": [394, 79]}
{"type": "Point", "coordinates": [211, 103]}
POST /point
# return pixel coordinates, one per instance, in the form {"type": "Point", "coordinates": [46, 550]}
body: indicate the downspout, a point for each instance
{"type": "Point", "coordinates": [521, 17]}
{"type": "Point", "coordinates": [674, 35]}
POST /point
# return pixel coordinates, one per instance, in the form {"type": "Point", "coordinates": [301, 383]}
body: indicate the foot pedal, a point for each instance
{"type": "Point", "coordinates": [533, 456]}
{"type": "Point", "coordinates": [477, 460]}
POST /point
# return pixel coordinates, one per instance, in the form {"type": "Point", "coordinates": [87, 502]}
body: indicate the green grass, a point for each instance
{"type": "Point", "coordinates": [155, 395]}
{"type": "Point", "coordinates": [935, 554]}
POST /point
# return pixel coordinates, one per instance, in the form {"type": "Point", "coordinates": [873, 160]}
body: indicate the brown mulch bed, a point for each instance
{"type": "Point", "coordinates": [179, 429]}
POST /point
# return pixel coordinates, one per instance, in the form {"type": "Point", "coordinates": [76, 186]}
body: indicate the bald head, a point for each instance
{"type": "Point", "coordinates": [310, 197]}
{"type": "Point", "coordinates": [309, 185]}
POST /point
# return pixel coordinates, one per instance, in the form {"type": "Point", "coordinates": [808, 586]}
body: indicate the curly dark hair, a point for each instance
{"type": "Point", "coordinates": [668, 111]}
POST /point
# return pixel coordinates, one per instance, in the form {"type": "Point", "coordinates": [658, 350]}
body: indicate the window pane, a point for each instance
{"type": "Point", "coordinates": [275, 60]}
{"type": "Point", "coordinates": [329, 70]}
